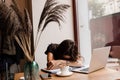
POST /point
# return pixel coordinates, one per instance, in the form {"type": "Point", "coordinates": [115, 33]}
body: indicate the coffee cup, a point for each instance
{"type": "Point", "coordinates": [64, 70]}
{"type": "Point", "coordinates": [22, 78]}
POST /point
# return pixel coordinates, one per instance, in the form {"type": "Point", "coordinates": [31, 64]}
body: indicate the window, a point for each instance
{"type": "Point", "coordinates": [98, 22]}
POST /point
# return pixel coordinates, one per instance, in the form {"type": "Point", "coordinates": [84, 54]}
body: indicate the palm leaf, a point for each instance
{"type": "Point", "coordinates": [48, 6]}
{"type": "Point", "coordinates": [8, 20]}
{"type": "Point", "coordinates": [56, 15]}
{"type": "Point", "coordinates": [29, 30]}
{"type": "Point", "coordinates": [12, 19]}
{"type": "Point", "coordinates": [13, 23]}
{"type": "Point", "coordinates": [15, 4]}
{"type": "Point", "coordinates": [23, 35]}
{"type": "Point", "coordinates": [18, 24]}
{"type": "Point", "coordinates": [4, 13]}
{"type": "Point", "coordinates": [28, 25]}
{"type": "Point", "coordinates": [19, 14]}
{"type": "Point", "coordinates": [52, 12]}
{"type": "Point", "coordinates": [23, 41]}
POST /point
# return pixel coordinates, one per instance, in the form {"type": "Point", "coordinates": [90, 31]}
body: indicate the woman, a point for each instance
{"type": "Point", "coordinates": [64, 53]}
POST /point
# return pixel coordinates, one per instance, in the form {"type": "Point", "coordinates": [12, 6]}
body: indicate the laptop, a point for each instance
{"type": "Point", "coordinates": [98, 61]}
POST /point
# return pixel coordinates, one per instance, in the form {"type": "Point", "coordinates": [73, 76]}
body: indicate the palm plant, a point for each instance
{"type": "Point", "coordinates": [51, 12]}
{"type": "Point", "coordinates": [19, 25]}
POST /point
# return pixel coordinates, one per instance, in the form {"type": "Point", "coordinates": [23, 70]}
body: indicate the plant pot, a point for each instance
{"type": "Point", "coordinates": [31, 71]}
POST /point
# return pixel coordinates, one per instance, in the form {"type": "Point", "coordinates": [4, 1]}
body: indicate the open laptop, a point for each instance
{"type": "Point", "coordinates": [98, 60]}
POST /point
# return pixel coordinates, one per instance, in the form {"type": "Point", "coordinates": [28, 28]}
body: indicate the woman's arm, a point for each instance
{"type": "Point", "coordinates": [52, 63]}
{"type": "Point", "coordinates": [77, 63]}
{"type": "Point", "coordinates": [49, 57]}
{"type": "Point", "coordinates": [59, 63]}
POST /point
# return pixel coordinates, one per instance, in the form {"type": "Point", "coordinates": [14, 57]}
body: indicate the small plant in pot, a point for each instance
{"type": "Point", "coordinates": [19, 27]}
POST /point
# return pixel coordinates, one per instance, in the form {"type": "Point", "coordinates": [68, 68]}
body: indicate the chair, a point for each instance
{"type": "Point", "coordinates": [6, 62]}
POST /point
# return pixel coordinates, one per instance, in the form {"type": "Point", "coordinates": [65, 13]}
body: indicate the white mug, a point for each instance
{"type": "Point", "coordinates": [64, 70]}
{"type": "Point", "coordinates": [22, 78]}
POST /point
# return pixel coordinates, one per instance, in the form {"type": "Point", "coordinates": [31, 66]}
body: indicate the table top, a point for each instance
{"type": "Point", "coordinates": [110, 72]}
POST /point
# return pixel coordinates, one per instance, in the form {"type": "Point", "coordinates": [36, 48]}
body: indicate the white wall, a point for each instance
{"type": "Point", "coordinates": [52, 34]}
{"type": "Point", "coordinates": [85, 37]}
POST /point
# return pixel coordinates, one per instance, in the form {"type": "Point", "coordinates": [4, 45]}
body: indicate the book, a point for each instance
{"type": "Point", "coordinates": [51, 71]}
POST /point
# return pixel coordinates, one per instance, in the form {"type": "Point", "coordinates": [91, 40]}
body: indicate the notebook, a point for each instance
{"type": "Point", "coordinates": [98, 60]}
{"type": "Point", "coordinates": [51, 71]}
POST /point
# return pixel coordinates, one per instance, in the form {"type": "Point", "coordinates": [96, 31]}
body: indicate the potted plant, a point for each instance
{"type": "Point", "coordinates": [19, 27]}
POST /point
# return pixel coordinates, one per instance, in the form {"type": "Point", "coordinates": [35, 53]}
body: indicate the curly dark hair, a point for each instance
{"type": "Point", "coordinates": [67, 47]}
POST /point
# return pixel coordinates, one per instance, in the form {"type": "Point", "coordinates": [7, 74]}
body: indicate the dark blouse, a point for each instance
{"type": "Point", "coordinates": [52, 48]}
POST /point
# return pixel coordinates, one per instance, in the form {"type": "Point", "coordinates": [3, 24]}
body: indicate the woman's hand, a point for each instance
{"type": "Point", "coordinates": [50, 65]}
{"type": "Point", "coordinates": [55, 64]}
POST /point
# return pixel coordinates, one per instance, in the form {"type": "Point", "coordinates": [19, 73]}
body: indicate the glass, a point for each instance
{"type": "Point", "coordinates": [99, 8]}
{"type": "Point", "coordinates": [31, 71]}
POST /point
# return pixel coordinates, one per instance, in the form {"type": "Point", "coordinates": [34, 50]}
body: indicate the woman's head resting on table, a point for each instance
{"type": "Point", "coordinates": [67, 50]}
{"type": "Point", "coordinates": [60, 54]}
